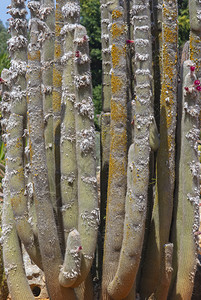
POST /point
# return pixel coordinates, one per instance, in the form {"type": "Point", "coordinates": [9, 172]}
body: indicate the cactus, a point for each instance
{"type": "Point", "coordinates": [150, 184]}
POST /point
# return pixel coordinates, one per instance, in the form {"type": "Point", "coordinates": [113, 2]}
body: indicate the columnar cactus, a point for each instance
{"type": "Point", "coordinates": [50, 187]}
{"type": "Point", "coordinates": [55, 96]}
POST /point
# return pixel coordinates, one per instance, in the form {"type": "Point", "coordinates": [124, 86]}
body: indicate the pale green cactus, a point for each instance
{"type": "Point", "coordinates": [50, 187]}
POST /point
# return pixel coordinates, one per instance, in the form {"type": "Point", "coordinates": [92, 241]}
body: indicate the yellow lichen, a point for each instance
{"type": "Point", "coordinates": [118, 112]}
{"type": "Point", "coordinates": [116, 83]}
{"type": "Point", "coordinates": [35, 56]}
{"type": "Point", "coordinates": [56, 105]}
{"type": "Point", "coordinates": [116, 14]}
{"type": "Point", "coordinates": [57, 78]}
{"type": "Point", "coordinates": [117, 31]}
{"type": "Point", "coordinates": [116, 54]}
{"type": "Point", "coordinates": [57, 50]}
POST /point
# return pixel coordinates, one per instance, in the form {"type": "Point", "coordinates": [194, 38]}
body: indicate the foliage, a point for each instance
{"type": "Point", "coordinates": [90, 18]}
{"type": "Point", "coordinates": [184, 24]}
{"type": "Point", "coordinates": [4, 36]}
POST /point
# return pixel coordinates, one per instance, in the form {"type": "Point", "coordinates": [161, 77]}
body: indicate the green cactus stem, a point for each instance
{"type": "Point", "coordinates": [18, 49]}
{"type": "Point", "coordinates": [105, 120]}
{"type": "Point", "coordinates": [166, 274]}
{"type": "Point", "coordinates": [47, 59]}
{"type": "Point", "coordinates": [118, 148]}
{"type": "Point", "coordinates": [186, 219]}
{"type": "Point", "coordinates": [72, 261]}
{"type": "Point", "coordinates": [88, 213]}
{"type": "Point", "coordinates": [13, 263]}
{"type": "Point", "coordinates": [57, 92]}
{"type": "Point", "coordinates": [71, 12]}
{"type": "Point", "coordinates": [47, 232]}
{"type": "Point", "coordinates": [138, 160]}
{"type": "Point", "coordinates": [165, 182]}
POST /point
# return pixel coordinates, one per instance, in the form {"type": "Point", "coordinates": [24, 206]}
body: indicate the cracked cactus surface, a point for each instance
{"type": "Point", "coordinates": [150, 130]}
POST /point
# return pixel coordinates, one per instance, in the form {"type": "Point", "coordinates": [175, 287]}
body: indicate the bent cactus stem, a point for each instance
{"type": "Point", "coordinates": [88, 216]}
{"type": "Point", "coordinates": [118, 148]}
{"type": "Point", "coordinates": [138, 160]}
{"type": "Point", "coordinates": [17, 187]}
{"type": "Point", "coordinates": [72, 261]}
{"type": "Point", "coordinates": [187, 213]}
{"type": "Point", "coordinates": [47, 232]}
{"type": "Point", "coordinates": [165, 161]}
{"type": "Point", "coordinates": [18, 51]}
{"type": "Point", "coordinates": [12, 255]}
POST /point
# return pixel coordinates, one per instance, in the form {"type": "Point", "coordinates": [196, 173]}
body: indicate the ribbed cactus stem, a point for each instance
{"type": "Point", "coordinates": [13, 263]}
{"type": "Point", "coordinates": [118, 147]}
{"type": "Point", "coordinates": [106, 56]}
{"type": "Point", "coordinates": [57, 92]}
{"type": "Point", "coordinates": [186, 222]}
{"type": "Point", "coordinates": [138, 160]}
{"type": "Point", "coordinates": [72, 261]}
{"type": "Point", "coordinates": [165, 169]}
{"type": "Point", "coordinates": [195, 34]}
{"type": "Point", "coordinates": [18, 197]}
{"type": "Point", "coordinates": [71, 13]}
{"type": "Point", "coordinates": [18, 50]}
{"type": "Point", "coordinates": [166, 274]}
{"type": "Point", "coordinates": [17, 46]}
{"type": "Point", "coordinates": [88, 213]}
{"type": "Point", "coordinates": [47, 60]}
{"type": "Point", "coordinates": [47, 232]}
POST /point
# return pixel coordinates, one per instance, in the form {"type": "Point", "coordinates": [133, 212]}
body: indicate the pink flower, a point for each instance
{"type": "Point", "coordinates": [186, 88]}
{"type": "Point", "coordinates": [1, 80]}
{"type": "Point", "coordinates": [77, 54]}
{"type": "Point", "coordinates": [192, 68]}
{"type": "Point", "coordinates": [198, 88]}
{"type": "Point", "coordinates": [196, 82]}
{"type": "Point", "coordinates": [129, 42]}
{"type": "Point", "coordinates": [84, 38]}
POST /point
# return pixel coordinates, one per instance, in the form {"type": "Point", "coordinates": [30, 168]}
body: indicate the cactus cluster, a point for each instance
{"type": "Point", "coordinates": [150, 128]}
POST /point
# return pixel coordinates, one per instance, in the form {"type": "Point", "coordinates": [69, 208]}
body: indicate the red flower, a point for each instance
{"type": "Point", "coordinates": [196, 82]}
{"type": "Point", "coordinates": [186, 88]}
{"type": "Point", "coordinates": [77, 54]}
{"type": "Point", "coordinates": [192, 68]}
{"type": "Point", "coordinates": [198, 88]}
{"type": "Point", "coordinates": [1, 80]}
{"type": "Point", "coordinates": [129, 42]}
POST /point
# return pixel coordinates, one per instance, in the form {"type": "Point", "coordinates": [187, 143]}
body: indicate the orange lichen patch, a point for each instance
{"type": "Point", "coordinates": [34, 56]}
{"type": "Point", "coordinates": [118, 112]}
{"type": "Point", "coordinates": [56, 104]}
{"type": "Point", "coordinates": [116, 54]}
{"type": "Point", "coordinates": [170, 35]}
{"type": "Point", "coordinates": [58, 13]}
{"type": "Point", "coordinates": [116, 14]}
{"type": "Point", "coordinates": [167, 13]}
{"type": "Point", "coordinates": [57, 78]}
{"type": "Point", "coordinates": [117, 31]}
{"type": "Point", "coordinates": [195, 50]}
{"type": "Point", "coordinates": [57, 50]}
{"type": "Point", "coordinates": [116, 83]}
{"type": "Point", "coordinates": [117, 169]}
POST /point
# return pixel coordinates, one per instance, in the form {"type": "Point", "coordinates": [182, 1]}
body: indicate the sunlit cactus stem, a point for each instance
{"type": "Point", "coordinates": [47, 232]}
{"type": "Point", "coordinates": [88, 211]}
{"type": "Point", "coordinates": [118, 146]}
{"type": "Point", "coordinates": [69, 209]}
{"type": "Point", "coordinates": [186, 218]}
{"type": "Point", "coordinates": [165, 163]}
{"type": "Point", "coordinates": [13, 262]}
